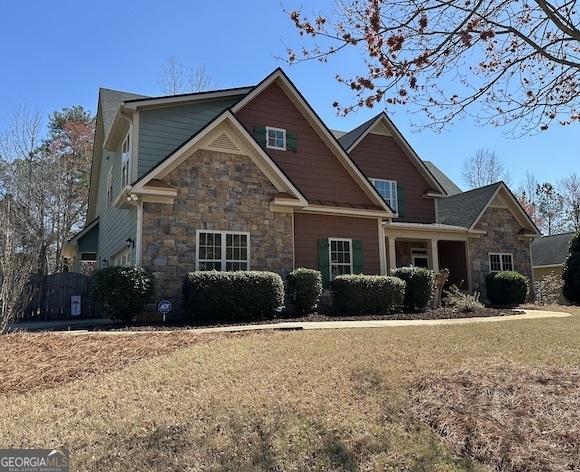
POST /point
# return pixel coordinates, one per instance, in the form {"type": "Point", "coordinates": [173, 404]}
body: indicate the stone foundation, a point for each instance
{"type": "Point", "coordinates": [217, 191]}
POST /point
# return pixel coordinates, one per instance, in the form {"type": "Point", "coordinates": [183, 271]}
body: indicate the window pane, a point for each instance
{"type": "Point", "coordinates": [495, 262]}
{"type": "Point", "coordinates": [507, 262]}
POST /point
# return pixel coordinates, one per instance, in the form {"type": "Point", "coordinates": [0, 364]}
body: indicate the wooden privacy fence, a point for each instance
{"type": "Point", "coordinates": [59, 297]}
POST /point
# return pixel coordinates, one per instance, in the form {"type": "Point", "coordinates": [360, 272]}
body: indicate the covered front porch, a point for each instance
{"type": "Point", "coordinates": [434, 246]}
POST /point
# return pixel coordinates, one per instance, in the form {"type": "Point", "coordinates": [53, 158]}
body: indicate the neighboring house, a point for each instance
{"type": "Point", "coordinates": [251, 178]}
{"type": "Point", "coordinates": [549, 254]}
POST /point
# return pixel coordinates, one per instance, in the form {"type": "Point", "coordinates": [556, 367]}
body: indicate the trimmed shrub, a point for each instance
{"type": "Point", "coordinates": [122, 292]}
{"type": "Point", "coordinates": [420, 283]}
{"type": "Point", "coordinates": [571, 271]}
{"type": "Point", "coordinates": [506, 288]}
{"type": "Point", "coordinates": [367, 294]}
{"type": "Point", "coordinates": [232, 296]}
{"type": "Point", "coordinates": [304, 288]}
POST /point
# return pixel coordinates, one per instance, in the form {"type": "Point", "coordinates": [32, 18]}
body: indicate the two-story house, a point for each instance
{"type": "Point", "coordinates": [251, 178]}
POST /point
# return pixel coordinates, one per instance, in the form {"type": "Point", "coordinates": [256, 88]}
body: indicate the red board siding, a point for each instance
{"type": "Point", "coordinates": [314, 169]}
{"type": "Point", "coordinates": [452, 256]}
{"type": "Point", "coordinates": [309, 228]}
{"type": "Point", "coordinates": [380, 157]}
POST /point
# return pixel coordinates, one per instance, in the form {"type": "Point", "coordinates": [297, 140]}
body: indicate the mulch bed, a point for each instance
{"type": "Point", "coordinates": [430, 314]}
{"type": "Point", "coordinates": [509, 418]}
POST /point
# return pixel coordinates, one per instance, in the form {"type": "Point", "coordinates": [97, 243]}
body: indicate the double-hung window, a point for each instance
{"type": "Point", "coordinates": [125, 157]}
{"type": "Point", "coordinates": [223, 250]}
{"type": "Point", "coordinates": [340, 256]}
{"type": "Point", "coordinates": [500, 261]}
{"type": "Point", "coordinates": [388, 190]}
{"type": "Point", "coordinates": [275, 138]}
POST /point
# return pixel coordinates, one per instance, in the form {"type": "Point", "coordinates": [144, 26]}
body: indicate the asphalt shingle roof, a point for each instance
{"type": "Point", "coordinates": [551, 250]}
{"type": "Point", "coordinates": [110, 101]}
{"type": "Point", "coordinates": [463, 208]}
{"type": "Point", "coordinates": [447, 184]}
{"type": "Point", "coordinates": [348, 139]}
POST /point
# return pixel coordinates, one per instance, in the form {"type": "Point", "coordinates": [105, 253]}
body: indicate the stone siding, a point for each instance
{"type": "Point", "coordinates": [217, 191]}
{"type": "Point", "coordinates": [502, 236]}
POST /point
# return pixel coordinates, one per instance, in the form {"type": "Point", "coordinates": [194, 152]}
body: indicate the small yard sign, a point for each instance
{"type": "Point", "coordinates": [75, 305]}
{"type": "Point", "coordinates": [164, 307]}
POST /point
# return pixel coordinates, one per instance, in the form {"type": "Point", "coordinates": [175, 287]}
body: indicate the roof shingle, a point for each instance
{"type": "Point", "coordinates": [551, 250]}
{"type": "Point", "coordinates": [463, 208]}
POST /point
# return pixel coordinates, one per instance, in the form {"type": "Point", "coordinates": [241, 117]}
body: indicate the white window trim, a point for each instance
{"type": "Point", "coordinates": [223, 259]}
{"type": "Point", "coordinates": [126, 159]}
{"type": "Point", "coordinates": [270, 128]}
{"type": "Point", "coordinates": [501, 254]}
{"type": "Point", "coordinates": [110, 186]}
{"type": "Point", "coordinates": [420, 256]}
{"type": "Point", "coordinates": [123, 252]}
{"type": "Point", "coordinates": [330, 240]}
{"type": "Point", "coordinates": [395, 204]}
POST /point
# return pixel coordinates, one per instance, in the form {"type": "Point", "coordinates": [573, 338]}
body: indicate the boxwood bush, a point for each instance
{"type": "Point", "coordinates": [367, 294]}
{"type": "Point", "coordinates": [506, 288]}
{"type": "Point", "coordinates": [122, 292]}
{"type": "Point", "coordinates": [232, 296]}
{"type": "Point", "coordinates": [420, 283]}
{"type": "Point", "coordinates": [304, 288]}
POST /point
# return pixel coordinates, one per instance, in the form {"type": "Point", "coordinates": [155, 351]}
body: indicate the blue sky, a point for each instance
{"type": "Point", "coordinates": [58, 53]}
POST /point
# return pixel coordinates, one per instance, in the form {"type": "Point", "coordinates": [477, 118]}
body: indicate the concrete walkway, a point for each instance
{"type": "Point", "coordinates": [307, 325]}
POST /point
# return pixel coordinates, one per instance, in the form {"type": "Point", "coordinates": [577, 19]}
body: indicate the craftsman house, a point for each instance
{"type": "Point", "coordinates": [251, 178]}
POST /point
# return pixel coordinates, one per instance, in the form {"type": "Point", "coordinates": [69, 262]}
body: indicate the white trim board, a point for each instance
{"type": "Point", "coordinates": [294, 95]}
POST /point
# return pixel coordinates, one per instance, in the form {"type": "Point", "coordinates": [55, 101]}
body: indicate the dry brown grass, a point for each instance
{"type": "Point", "coordinates": [293, 401]}
{"type": "Point", "coordinates": [33, 362]}
{"type": "Point", "coordinates": [510, 418]}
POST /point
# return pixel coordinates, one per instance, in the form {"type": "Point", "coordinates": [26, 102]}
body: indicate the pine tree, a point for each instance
{"type": "Point", "coordinates": [571, 272]}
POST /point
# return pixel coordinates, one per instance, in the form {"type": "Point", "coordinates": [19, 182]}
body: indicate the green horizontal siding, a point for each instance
{"type": "Point", "coordinates": [162, 130]}
{"type": "Point", "coordinates": [90, 241]}
{"type": "Point", "coordinates": [115, 225]}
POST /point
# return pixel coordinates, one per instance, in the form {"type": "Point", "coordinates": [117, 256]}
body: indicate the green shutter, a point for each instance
{"type": "Point", "coordinates": [260, 135]}
{"type": "Point", "coordinates": [357, 256]}
{"type": "Point", "coordinates": [324, 261]}
{"type": "Point", "coordinates": [401, 200]}
{"type": "Point", "coordinates": [291, 142]}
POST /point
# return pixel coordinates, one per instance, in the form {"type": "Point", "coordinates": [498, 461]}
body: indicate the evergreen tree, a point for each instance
{"type": "Point", "coordinates": [571, 272]}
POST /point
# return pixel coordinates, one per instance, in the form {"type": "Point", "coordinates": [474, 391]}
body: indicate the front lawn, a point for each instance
{"type": "Point", "coordinates": [306, 400]}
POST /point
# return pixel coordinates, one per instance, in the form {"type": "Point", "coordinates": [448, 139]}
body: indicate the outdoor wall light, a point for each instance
{"type": "Point", "coordinates": [130, 243]}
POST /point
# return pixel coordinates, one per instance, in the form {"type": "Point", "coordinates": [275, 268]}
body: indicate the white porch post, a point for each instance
{"type": "Point", "coordinates": [392, 253]}
{"type": "Point", "coordinates": [434, 255]}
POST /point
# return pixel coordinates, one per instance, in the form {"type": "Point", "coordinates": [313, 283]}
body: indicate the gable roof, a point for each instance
{"type": "Point", "coordinates": [321, 129]}
{"type": "Point", "coordinates": [259, 156]}
{"type": "Point", "coordinates": [551, 250]}
{"type": "Point", "coordinates": [466, 208]}
{"type": "Point", "coordinates": [110, 100]}
{"type": "Point", "coordinates": [348, 139]}
{"type": "Point", "coordinates": [351, 140]}
{"type": "Point", "coordinates": [447, 184]}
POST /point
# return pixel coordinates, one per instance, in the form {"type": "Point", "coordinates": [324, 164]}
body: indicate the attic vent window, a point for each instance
{"type": "Point", "coordinates": [224, 142]}
{"type": "Point", "coordinates": [276, 138]}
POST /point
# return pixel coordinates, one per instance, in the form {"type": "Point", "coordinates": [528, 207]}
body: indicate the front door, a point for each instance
{"type": "Point", "coordinates": [419, 258]}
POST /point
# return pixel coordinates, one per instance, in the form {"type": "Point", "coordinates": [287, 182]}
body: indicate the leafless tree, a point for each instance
{"type": "Point", "coordinates": [519, 60]}
{"type": "Point", "coordinates": [528, 197]}
{"type": "Point", "coordinates": [175, 78]}
{"type": "Point", "coordinates": [569, 188]}
{"type": "Point", "coordinates": [483, 168]}
{"type": "Point", "coordinates": [16, 263]}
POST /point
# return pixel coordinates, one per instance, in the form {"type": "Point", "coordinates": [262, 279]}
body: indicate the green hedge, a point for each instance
{"type": "Point", "coordinates": [122, 292]}
{"type": "Point", "coordinates": [304, 288]}
{"type": "Point", "coordinates": [231, 296]}
{"type": "Point", "coordinates": [367, 294]}
{"type": "Point", "coordinates": [420, 283]}
{"type": "Point", "coordinates": [506, 288]}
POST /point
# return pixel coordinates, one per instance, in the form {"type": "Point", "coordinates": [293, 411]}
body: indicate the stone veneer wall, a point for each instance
{"type": "Point", "coordinates": [502, 236]}
{"type": "Point", "coordinates": [217, 191]}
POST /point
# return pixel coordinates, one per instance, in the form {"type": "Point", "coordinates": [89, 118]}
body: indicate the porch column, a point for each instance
{"type": "Point", "coordinates": [434, 255]}
{"type": "Point", "coordinates": [392, 253]}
